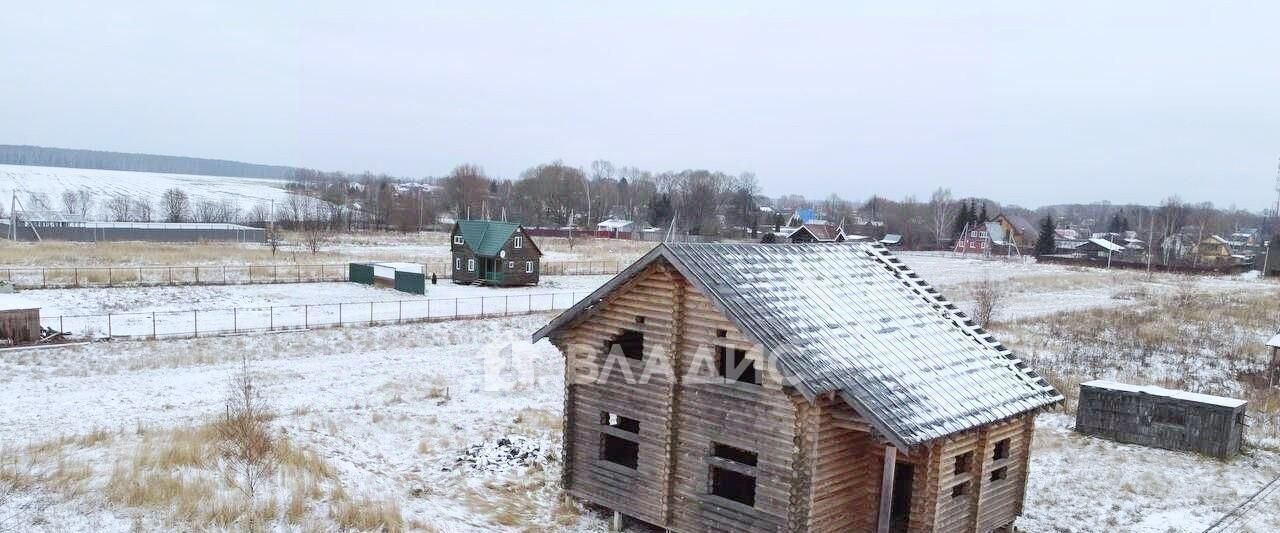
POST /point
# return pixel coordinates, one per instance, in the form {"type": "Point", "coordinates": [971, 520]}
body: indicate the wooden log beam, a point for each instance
{"type": "Point", "coordinates": [886, 488]}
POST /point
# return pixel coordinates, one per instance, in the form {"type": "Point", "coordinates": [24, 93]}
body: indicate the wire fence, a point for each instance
{"type": "Point", "coordinates": [241, 320]}
{"type": "Point", "coordinates": [139, 276]}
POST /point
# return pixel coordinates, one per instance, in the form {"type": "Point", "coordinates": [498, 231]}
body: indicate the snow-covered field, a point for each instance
{"type": "Point", "coordinates": [406, 415]}
{"type": "Point", "coordinates": [177, 311]}
{"type": "Point", "coordinates": [52, 181]}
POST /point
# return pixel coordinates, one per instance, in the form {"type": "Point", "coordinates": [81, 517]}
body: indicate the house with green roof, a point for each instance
{"type": "Point", "coordinates": [489, 252]}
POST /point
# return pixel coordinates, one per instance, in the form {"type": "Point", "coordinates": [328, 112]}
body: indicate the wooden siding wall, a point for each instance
{"type": "Point", "coordinates": [527, 252]}
{"type": "Point", "coordinates": [20, 326]}
{"type": "Point", "coordinates": [1127, 417]}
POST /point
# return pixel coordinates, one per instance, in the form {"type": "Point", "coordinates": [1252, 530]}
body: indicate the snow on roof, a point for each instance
{"type": "Point", "coordinates": [1166, 393]}
{"type": "Point", "coordinates": [889, 238]}
{"type": "Point", "coordinates": [12, 302]}
{"type": "Point", "coordinates": [614, 223]}
{"type": "Point", "coordinates": [1274, 342]}
{"type": "Point", "coordinates": [851, 319]}
{"type": "Point", "coordinates": [1107, 245]}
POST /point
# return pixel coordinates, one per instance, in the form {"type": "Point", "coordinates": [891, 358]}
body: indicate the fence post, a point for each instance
{"type": "Point", "coordinates": [275, 273]}
{"type": "Point", "coordinates": [482, 306]}
{"type": "Point", "coordinates": [197, 275]}
{"type": "Point", "coordinates": [109, 334]}
{"type": "Point", "coordinates": [77, 276]}
{"type": "Point", "coordinates": [235, 320]}
{"type": "Point", "coordinates": [224, 274]}
{"type": "Point", "coordinates": [195, 314]}
{"type": "Point", "coordinates": [306, 316]}
{"type": "Point", "coordinates": [400, 316]}
{"type": "Point", "coordinates": [299, 273]}
{"type": "Point", "coordinates": [271, 321]}
{"type": "Point", "coordinates": [339, 314]}
{"type": "Point", "coordinates": [171, 275]}
{"type": "Point", "coordinates": [506, 304]}
{"type": "Point", "coordinates": [529, 307]}
{"type": "Point", "coordinates": [370, 313]}
{"type": "Point", "coordinates": [455, 308]}
{"type": "Point", "coordinates": [139, 275]}
{"type": "Point", "coordinates": [108, 276]}
{"type": "Point", "coordinates": [44, 276]}
{"type": "Point", "coordinates": [428, 309]}
{"type": "Point", "coordinates": [61, 328]}
{"type": "Point", "coordinates": [153, 325]}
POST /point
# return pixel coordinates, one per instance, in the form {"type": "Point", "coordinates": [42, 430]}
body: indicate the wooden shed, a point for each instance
{"type": "Point", "coordinates": [19, 320]}
{"type": "Point", "coordinates": [1161, 418]}
{"type": "Point", "coordinates": [791, 387]}
{"type": "Point", "coordinates": [488, 252]}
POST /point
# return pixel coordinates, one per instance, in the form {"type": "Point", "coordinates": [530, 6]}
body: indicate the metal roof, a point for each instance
{"type": "Point", "coordinates": [486, 237]}
{"type": "Point", "coordinates": [851, 319]}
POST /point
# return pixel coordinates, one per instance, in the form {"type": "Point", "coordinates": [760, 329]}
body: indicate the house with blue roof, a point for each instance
{"type": "Point", "coordinates": [489, 252]}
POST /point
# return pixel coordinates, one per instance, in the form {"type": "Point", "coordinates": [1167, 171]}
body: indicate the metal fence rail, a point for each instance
{"type": "Point", "coordinates": [54, 277]}
{"type": "Point", "coordinates": [238, 320]}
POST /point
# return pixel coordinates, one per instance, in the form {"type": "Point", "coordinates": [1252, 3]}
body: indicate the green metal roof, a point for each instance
{"type": "Point", "coordinates": [486, 237]}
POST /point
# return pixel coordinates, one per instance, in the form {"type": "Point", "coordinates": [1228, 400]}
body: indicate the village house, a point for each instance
{"type": "Point", "coordinates": [1018, 231]}
{"type": "Point", "coordinates": [488, 252]}
{"type": "Point", "coordinates": [816, 231]}
{"type": "Point", "coordinates": [814, 387]}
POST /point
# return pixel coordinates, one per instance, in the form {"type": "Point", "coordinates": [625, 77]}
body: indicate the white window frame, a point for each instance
{"type": "Point", "coordinates": [457, 239]}
{"type": "Point", "coordinates": [511, 265]}
{"type": "Point", "coordinates": [457, 263]}
{"type": "Point", "coordinates": [528, 267]}
{"type": "Point", "coordinates": [518, 242]}
{"type": "Point", "coordinates": [471, 265]}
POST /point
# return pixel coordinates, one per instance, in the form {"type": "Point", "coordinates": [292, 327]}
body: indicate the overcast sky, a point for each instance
{"type": "Point", "coordinates": [1032, 106]}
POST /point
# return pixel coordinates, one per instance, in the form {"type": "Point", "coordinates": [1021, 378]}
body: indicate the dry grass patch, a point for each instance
{"type": "Point", "coordinates": [364, 514]}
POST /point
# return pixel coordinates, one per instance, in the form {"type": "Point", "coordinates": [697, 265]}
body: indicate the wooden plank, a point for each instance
{"type": "Point", "coordinates": [886, 487]}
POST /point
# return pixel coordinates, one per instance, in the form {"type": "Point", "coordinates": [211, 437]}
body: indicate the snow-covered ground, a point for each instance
{"type": "Point", "coordinates": [52, 181]}
{"type": "Point", "coordinates": [408, 413]}
{"type": "Point", "coordinates": [177, 311]}
{"type": "Point", "coordinates": [394, 409]}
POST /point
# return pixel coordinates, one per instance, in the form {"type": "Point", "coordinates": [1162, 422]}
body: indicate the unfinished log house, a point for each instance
{"type": "Point", "coordinates": [791, 387]}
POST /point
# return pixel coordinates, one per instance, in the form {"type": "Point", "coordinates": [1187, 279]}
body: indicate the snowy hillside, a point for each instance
{"type": "Point", "coordinates": [50, 182]}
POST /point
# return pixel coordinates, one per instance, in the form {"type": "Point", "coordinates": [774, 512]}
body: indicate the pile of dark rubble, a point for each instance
{"type": "Point", "coordinates": [504, 453]}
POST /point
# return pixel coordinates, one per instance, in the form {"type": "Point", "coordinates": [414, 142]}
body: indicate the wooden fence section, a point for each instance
{"type": "Point", "coordinates": [138, 276]}
{"type": "Point", "coordinates": [248, 320]}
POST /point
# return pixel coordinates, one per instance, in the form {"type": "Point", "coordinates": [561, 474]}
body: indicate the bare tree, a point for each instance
{"type": "Point", "coordinates": [70, 202]}
{"type": "Point", "coordinates": [247, 444]}
{"type": "Point", "coordinates": [942, 208]}
{"type": "Point", "coordinates": [143, 211]}
{"type": "Point", "coordinates": [176, 205]}
{"type": "Point", "coordinates": [85, 201]}
{"type": "Point", "coordinates": [119, 208]}
{"type": "Point", "coordinates": [986, 298]}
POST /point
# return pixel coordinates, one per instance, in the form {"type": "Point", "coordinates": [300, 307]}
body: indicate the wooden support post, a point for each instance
{"type": "Point", "coordinates": [616, 523]}
{"type": "Point", "coordinates": [886, 488]}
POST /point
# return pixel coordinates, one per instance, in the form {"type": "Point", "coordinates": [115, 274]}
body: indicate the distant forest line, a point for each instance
{"type": "Point", "coordinates": [72, 158]}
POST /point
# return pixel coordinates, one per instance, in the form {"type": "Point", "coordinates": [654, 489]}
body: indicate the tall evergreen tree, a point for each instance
{"type": "Point", "coordinates": [962, 219]}
{"type": "Point", "coordinates": [1047, 243]}
{"type": "Point", "coordinates": [982, 216]}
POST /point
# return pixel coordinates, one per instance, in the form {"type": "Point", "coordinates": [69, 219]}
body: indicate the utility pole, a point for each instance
{"type": "Point", "coordinates": [1151, 234]}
